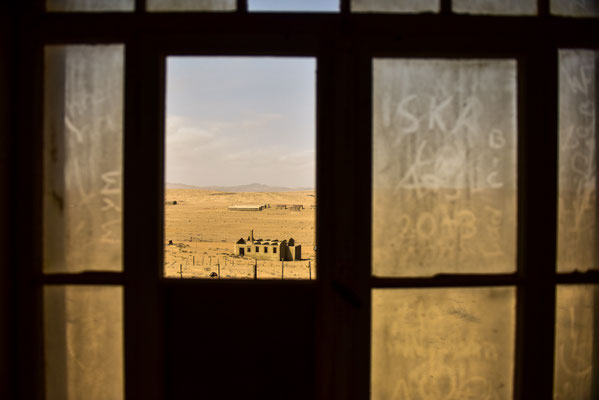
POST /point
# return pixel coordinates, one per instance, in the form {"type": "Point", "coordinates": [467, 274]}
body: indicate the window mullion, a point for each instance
{"type": "Point", "coordinates": [537, 213]}
{"type": "Point", "coordinates": [142, 220]}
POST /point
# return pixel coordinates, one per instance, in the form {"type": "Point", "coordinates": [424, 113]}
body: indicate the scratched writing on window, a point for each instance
{"type": "Point", "coordinates": [444, 166]}
{"type": "Point", "coordinates": [83, 160]}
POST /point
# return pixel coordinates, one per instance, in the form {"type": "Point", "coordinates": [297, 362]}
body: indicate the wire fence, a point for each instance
{"type": "Point", "coordinates": [231, 267]}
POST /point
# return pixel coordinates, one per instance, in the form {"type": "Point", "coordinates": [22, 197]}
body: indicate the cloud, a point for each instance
{"type": "Point", "coordinates": [234, 152]}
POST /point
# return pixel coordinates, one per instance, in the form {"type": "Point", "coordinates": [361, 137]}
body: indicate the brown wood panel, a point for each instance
{"type": "Point", "coordinates": [250, 341]}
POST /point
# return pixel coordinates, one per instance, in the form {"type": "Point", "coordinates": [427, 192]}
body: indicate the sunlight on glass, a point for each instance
{"type": "Point", "coordinates": [83, 158]}
{"type": "Point", "coordinates": [444, 167]}
{"type": "Point", "coordinates": [578, 240]}
{"type": "Point", "coordinates": [575, 8]}
{"type": "Point", "coordinates": [240, 168]}
{"type": "Point", "coordinates": [90, 5]}
{"type": "Point", "coordinates": [439, 344]}
{"type": "Point", "coordinates": [83, 333]}
{"type": "Point", "coordinates": [395, 6]}
{"type": "Point", "coordinates": [576, 348]}
{"type": "Point", "coordinates": [496, 7]}
{"type": "Point", "coordinates": [191, 5]}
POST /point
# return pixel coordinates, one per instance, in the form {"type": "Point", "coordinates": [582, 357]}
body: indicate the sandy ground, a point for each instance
{"type": "Point", "coordinates": [203, 233]}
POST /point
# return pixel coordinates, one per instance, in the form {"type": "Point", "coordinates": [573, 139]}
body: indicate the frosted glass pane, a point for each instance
{"type": "Point", "coordinates": [444, 167]}
{"type": "Point", "coordinates": [395, 6]}
{"type": "Point", "coordinates": [576, 348]}
{"type": "Point", "coordinates": [83, 338]}
{"type": "Point", "coordinates": [83, 158]}
{"type": "Point", "coordinates": [575, 8]}
{"type": "Point", "coordinates": [578, 246]}
{"type": "Point", "coordinates": [90, 5]}
{"type": "Point", "coordinates": [293, 5]}
{"type": "Point", "coordinates": [496, 7]}
{"type": "Point", "coordinates": [191, 5]}
{"type": "Point", "coordinates": [439, 344]}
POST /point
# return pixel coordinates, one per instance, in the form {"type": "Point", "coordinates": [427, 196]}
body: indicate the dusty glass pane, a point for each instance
{"type": "Point", "coordinates": [90, 5]}
{"type": "Point", "coordinates": [575, 8]}
{"type": "Point", "coordinates": [576, 348]}
{"type": "Point", "coordinates": [395, 6]}
{"type": "Point", "coordinates": [293, 5]}
{"type": "Point", "coordinates": [83, 158]}
{"type": "Point", "coordinates": [438, 344]}
{"type": "Point", "coordinates": [496, 7]}
{"type": "Point", "coordinates": [83, 338]}
{"type": "Point", "coordinates": [444, 167]}
{"type": "Point", "coordinates": [191, 5]}
{"type": "Point", "coordinates": [578, 246]}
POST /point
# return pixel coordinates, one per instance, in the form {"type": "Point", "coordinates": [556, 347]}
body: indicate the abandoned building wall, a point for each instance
{"type": "Point", "coordinates": [249, 250]}
{"type": "Point", "coordinates": [266, 252]}
{"type": "Point", "coordinates": [260, 249]}
{"type": "Point", "coordinates": [298, 252]}
{"type": "Point", "coordinates": [294, 253]}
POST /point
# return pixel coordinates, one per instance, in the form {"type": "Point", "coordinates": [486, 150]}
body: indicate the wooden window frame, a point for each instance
{"type": "Point", "coordinates": [344, 45]}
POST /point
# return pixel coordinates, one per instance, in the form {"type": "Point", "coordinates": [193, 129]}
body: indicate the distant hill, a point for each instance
{"type": "Point", "coordinates": [252, 187]}
{"type": "Point", "coordinates": [180, 186]}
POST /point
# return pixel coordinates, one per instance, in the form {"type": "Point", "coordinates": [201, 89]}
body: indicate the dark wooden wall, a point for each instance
{"type": "Point", "coordinates": [6, 320]}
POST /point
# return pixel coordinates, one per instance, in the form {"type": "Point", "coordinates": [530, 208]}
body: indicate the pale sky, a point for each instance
{"type": "Point", "coordinates": [240, 120]}
{"type": "Point", "coordinates": [293, 5]}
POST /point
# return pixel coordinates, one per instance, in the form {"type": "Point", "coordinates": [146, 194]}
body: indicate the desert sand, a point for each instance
{"type": "Point", "coordinates": [203, 232]}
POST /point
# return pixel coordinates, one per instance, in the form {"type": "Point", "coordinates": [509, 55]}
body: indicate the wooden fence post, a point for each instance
{"type": "Point", "coordinates": [310, 269]}
{"type": "Point", "coordinates": [256, 269]}
{"type": "Point", "coordinates": [282, 269]}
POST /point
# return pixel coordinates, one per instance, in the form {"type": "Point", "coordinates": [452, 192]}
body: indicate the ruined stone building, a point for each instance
{"type": "Point", "coordinates": [267, 249]}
